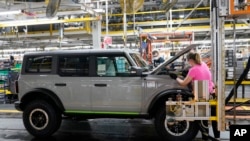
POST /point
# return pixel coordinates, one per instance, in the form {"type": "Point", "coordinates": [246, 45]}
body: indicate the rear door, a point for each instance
{"type": "Point", "coordinates": [72, 82]}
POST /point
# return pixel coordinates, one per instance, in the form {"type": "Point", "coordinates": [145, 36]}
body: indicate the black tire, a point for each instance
{"type": "Point", "coordinates": [174, 131]}
{"type": "Point", "coordinates": [41, 119]}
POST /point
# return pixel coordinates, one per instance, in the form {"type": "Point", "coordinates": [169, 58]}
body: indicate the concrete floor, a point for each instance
{"type": "Point", "coordinates": [107, 129]}
{"type": "Point", "coordinates": [101, 129]}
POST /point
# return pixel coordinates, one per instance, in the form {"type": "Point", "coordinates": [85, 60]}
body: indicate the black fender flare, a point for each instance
{"type": "Point", "coordinates": [163, 96]}
{"type": "Point", "coordinates": [42, 94]}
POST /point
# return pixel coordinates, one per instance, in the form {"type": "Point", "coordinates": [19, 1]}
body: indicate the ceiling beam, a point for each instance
{"type": "Point", "coordinates": [45, 21]}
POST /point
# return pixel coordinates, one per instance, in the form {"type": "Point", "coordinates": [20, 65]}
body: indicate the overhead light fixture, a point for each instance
{"type": "Point", "coordinates": [44, 21]}
{"type": "Point", "coordinates": [10, 12]}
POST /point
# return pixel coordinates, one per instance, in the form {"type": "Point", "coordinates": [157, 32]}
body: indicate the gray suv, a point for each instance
{"type": "Point", "coordinates": [98, 83]}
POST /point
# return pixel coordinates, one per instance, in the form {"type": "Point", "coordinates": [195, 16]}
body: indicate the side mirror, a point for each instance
{"type": "Point", "coordinates": [137, 71]}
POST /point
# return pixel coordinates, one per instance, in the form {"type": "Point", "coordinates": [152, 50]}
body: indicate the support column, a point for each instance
{"type": "Point", "coordinates": [96, 34]}
{"type": "Point", "coordinates": [217, 20]}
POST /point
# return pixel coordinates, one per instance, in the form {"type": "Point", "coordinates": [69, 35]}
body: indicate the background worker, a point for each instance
{"type": "Point", "coordinates": [199, 71]}
{"type": "Point", "coordinates": [157, 59]}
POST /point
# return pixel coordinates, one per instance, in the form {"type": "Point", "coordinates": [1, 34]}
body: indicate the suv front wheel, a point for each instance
{"type": "Point", "coordinates": [41, 119]}
{"type": "Point", "coordinates": [172, 130]}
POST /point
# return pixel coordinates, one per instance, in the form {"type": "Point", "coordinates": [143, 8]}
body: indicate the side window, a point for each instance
{"type": "Point", "coordinates": [106, 66]}
{"type": "Point", "coordinates": [112, 66]}
{"type": "Point", "coordinates": [73, 66]}
{"type": "Point", "coordinates": [39, 64]}
{"type": "Point", "coordinates": [123, 65]}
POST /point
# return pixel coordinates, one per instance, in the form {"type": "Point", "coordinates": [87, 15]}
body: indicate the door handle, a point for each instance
{"type": "Point", "coordinates": [101, 85]}
{"type": "Point", "coordinates": [60, 84]}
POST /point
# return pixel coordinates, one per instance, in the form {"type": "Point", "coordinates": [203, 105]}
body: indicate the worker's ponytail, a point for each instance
{"type": "Point", "coordinates": [194, 56]}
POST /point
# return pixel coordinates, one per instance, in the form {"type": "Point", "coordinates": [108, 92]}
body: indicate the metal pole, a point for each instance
{"type": "Point", "coordinates": [217, 19]}
{"type": "Point", "coordinates": [134, 28]}
{"type": "Point", "coordinates": [107, 28]}
{"type": "Point", "coordinates": [61, 33]}
{"type": "Point", "coordinates": [171, 25]}
{"type": "Point", "coordinates": [134, 17]}
{"type": "Point", "coordinates": [234, 68]}
{"type": "Point", "coordinates": [124, 24]}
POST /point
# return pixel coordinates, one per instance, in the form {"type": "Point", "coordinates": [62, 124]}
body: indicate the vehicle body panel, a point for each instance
{"type": "Point", "coordinates": [120, 94]}
{"type": "Point", "coordinates": [103, 94]}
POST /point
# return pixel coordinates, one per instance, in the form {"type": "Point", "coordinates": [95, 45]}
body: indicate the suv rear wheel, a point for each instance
{"type": "Point", "coordinates": [172, 130]}
{"type": "Point", "coordinates": [41, 119]}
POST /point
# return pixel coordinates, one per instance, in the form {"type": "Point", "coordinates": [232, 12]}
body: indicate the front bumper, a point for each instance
{"type": "Point", "coordinates": [18, 106]}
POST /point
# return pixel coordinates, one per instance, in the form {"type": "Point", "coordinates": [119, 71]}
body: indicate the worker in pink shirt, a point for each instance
{"type": "Point", "coordinates": [200, 71]}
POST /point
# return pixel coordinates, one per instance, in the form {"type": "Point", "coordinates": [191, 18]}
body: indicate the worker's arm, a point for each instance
{"type": "Point", "coordinates": [184, 82]}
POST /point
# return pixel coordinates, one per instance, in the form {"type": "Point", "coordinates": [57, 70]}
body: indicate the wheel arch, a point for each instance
{"type": "Point", "coordinates": [163, 96]}
{"type": "Point", "coordinates": [39, 94]}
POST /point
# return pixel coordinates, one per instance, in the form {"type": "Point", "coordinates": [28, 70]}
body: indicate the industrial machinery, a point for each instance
{"type": "Point", "coordinates": [231, 110]}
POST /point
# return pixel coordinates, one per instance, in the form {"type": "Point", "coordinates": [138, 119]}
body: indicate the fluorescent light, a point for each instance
{"type": "Point", "coordinates": [44, 21]}
{"type": "Point", "coordinates": [29, 22]}
{"type": "Point", "coordinates": [10, 12]}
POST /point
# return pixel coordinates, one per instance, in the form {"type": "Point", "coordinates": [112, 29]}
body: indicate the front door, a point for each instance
{"type": "Point", "coordinates": [114, 89]}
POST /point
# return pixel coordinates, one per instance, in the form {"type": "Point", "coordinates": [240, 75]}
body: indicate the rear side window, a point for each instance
{"type": "Point", "coordinates": [73, 66]}
{"type": "Point", "coordinates": [39, 64]}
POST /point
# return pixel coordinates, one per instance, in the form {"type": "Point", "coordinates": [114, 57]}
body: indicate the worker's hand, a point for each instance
{"type": "Point", "coordinates": [173, 75]}
{"type": "Point", "coordinates": [184, 73]}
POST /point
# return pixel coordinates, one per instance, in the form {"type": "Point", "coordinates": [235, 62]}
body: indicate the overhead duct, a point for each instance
{"type": "Point", "coordinates": [30, 0]}
{"type": "Point", "coordinates": [167, 5]}
{"type": "Point", "coordinates": [52, 8]}
{"type": "Point", "coordinates": [132, 5]}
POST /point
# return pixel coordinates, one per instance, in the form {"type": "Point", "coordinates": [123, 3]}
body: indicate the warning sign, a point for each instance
{"type": "Point", "coordinates": [107, 40]}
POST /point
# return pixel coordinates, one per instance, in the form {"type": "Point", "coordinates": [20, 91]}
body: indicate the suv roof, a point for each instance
{"type": "Point", "coordinates": [82, 51]}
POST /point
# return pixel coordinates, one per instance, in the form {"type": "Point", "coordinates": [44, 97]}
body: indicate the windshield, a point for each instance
{"type": "Point", "coordinates": [140, 62]}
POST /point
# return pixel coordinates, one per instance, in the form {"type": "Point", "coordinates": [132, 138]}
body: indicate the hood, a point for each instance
{"type": "Point", "coordinates": [164, 64]}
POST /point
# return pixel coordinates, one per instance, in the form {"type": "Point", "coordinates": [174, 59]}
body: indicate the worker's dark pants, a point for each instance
{"type": "Point", "coordinates": [214, 123]}
{"type": "Point", "coordinates": [204, 126]}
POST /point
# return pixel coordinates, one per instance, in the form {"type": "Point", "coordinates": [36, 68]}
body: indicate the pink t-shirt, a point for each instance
{"type": "Point", "coordinates": [201, 72]}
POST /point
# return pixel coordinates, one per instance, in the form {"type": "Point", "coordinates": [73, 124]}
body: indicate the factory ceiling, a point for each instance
{"type": "Point", "coordinates": [30, 24]}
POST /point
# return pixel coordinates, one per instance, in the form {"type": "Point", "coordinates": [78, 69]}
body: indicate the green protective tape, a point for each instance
{"type": "Point", "coordinates": [97, 112]}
